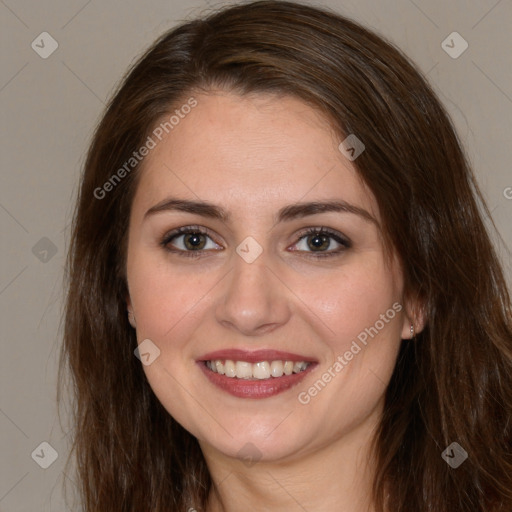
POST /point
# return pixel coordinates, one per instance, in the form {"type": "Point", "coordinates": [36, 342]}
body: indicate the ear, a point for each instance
{"type": "Point", "coordinates": [131, 316]}
{"type": "Point", "coordinates": [414, 315]}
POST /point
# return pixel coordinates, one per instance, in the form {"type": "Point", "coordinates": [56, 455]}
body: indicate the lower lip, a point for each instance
{"type": "Point", "coordinates": [245, 388]}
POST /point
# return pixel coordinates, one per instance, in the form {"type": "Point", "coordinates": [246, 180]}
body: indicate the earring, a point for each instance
{"type": "Point", "coordinates": [131, 319]}
{"type": "Point", "coordinates": [412, 331]}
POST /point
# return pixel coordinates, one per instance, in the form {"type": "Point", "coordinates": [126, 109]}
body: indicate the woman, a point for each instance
{"type": "Point", "coordinates": [282, 295]}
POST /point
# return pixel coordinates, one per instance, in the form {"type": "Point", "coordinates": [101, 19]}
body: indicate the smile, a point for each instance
{"type": "Point", "coordinates": [255, 374]}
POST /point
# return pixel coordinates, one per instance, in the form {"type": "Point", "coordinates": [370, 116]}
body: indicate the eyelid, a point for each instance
{"type": "Point", "coordinates": [340, 237]}
{"type": "Point", "coordinates": [191, 228]}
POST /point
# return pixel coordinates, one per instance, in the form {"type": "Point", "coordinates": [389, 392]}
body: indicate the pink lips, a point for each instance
{"type": "Point", "coordinates": [245, 388]}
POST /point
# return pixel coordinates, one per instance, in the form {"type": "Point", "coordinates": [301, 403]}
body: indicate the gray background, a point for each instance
{"type": "Point", "coordinates": [49, 109]}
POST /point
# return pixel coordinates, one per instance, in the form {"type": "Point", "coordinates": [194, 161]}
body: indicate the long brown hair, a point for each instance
{"type": "Point", "coordinates": [453, 383]}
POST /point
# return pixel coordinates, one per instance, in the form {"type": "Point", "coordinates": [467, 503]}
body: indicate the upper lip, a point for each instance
{"type": "Point", "coordinates": [255, 356]}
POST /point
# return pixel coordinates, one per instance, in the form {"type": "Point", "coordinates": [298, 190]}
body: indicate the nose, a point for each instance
{"type": "Point", "coordinates": [253, 300]}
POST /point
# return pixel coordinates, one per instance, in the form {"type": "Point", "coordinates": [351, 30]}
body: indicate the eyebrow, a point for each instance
{"type": "Point", "coordinates": [287, 213]}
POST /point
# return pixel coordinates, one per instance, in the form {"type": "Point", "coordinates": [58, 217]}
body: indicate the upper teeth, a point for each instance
{"type": "Point", "coordinates": [261, 370]}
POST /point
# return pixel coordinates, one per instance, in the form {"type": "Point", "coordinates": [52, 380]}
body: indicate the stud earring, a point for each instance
{"type": "Point", "coordinates": [412, 331]}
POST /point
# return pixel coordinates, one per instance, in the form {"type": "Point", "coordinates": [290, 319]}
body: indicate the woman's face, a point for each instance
{"type": "Point", "coordinates": [253, 281]}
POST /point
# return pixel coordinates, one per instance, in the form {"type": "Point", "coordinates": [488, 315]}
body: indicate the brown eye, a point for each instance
{"type": "Point", "coordinates": [322, 242]}
{"type": "Point", "coordinates": [187, 240]}
{"type": "Point", "coordinates": [194, 241]}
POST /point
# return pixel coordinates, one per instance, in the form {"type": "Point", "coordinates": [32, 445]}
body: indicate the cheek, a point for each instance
{"type": "Point", "coordinates": [361, 313]}
{"type": "Point", "coordinates": [163, 298]}
{"type": "Point", "coordinates": [361, 317]}
{"type": "Point", "coordinates": [356, 300]}
{"type": "Point", "coordinates": [167, 306]}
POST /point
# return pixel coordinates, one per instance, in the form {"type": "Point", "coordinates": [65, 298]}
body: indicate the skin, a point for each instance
{"type": "Point", "coordinates": [253, 155]}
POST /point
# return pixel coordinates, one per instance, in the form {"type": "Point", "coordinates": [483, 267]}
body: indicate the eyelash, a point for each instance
{"type": "Point", "coordinates": [169, 237]}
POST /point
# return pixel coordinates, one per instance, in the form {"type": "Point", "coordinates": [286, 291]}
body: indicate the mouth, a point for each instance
{"type": "Point", "coordinates": [257, 374]}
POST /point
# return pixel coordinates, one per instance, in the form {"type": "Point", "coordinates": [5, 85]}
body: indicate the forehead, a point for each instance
{"type": "Point", "coordinates": [252, 152]}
